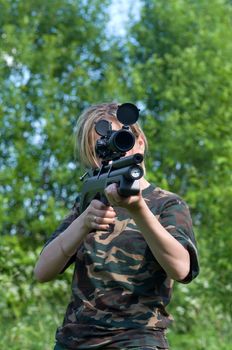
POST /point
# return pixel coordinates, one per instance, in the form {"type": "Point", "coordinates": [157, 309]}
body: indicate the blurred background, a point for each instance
{"type": "Point", "coordinates": [171, 58]}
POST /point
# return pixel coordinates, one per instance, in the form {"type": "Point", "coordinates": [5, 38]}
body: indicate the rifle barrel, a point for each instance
{"type": "Point", "coordinates": [124, 162]}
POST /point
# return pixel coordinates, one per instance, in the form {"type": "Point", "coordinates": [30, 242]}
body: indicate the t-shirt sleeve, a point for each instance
{"type": "Point", "coordinates": [176, 219]}
{"type": "Point", "coordinates": [74, 213]}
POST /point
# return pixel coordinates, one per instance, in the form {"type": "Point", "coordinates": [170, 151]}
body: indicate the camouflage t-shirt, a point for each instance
{"type": "Point", "coordinates": [119, 290]}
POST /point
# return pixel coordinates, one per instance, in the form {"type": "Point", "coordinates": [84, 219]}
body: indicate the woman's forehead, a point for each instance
{"type": "Point", "coordinates": [116, 124]}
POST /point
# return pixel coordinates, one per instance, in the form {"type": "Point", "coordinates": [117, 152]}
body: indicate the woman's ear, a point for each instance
{"type": "Point", "coordinates": [141, 144]}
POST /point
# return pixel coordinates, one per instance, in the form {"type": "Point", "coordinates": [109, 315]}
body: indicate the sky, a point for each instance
{"type": "Point", "coordinates": [119, 11]}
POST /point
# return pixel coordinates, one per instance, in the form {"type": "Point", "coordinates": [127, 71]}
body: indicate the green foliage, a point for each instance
{"type": "Point", "coordinates": [27, 307]}
{"type": "Point", "coordinates": [21, 293]}
{"type": "Point", "coordinates": [181, 57]}
{"type": "Point", "coordinates": [51, 65]}
{"type": "Point", "coordinates": [200, 322]}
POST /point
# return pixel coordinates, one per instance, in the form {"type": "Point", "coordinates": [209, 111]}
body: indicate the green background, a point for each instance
{"type": "Point", "coordinates": [174, 62]}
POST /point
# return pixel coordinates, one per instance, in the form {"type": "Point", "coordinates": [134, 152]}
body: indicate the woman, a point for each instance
{"type": "Point", "coordinates": [123, 278]}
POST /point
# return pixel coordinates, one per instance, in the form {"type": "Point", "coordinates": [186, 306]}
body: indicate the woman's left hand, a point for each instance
{"type": "Point", "coordinates": [130, 203]}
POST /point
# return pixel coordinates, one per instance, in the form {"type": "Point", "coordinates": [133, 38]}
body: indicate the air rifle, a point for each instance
{"type": "Point", "coordinates": [115, 168]}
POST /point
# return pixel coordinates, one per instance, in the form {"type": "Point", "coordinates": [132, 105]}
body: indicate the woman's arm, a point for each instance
{"type": "Point", "coordinates": [57, 253]}
{"type": "Point", "coordinates": [172, 256]}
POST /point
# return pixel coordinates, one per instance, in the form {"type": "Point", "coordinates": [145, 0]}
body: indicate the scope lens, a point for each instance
{"type": "Point", "coordinates": [123, 140]}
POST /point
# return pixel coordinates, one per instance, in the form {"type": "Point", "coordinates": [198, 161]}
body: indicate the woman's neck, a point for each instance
{"type": "Point", "coordinates": [143, 183]}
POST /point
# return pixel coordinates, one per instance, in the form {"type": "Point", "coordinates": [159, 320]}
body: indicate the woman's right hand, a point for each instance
{"type": "Point", "coordinates": [98, 216]}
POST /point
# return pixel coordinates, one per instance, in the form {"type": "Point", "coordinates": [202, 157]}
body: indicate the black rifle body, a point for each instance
{"type": "Point", "coordinates": [125, 172]}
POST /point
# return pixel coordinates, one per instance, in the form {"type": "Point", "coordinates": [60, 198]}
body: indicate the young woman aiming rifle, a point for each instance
{"type": "Point", "coordinates": [123, 278]}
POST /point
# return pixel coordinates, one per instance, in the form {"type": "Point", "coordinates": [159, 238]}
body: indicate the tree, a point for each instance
{"type": "Point", "coordinates": [181, 68]}
{"type": "Point", "coordinates": [52, 60]}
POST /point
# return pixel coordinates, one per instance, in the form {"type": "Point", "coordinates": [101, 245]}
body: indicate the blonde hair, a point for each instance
{"type": "Point", "coordinates": [85, 135]}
